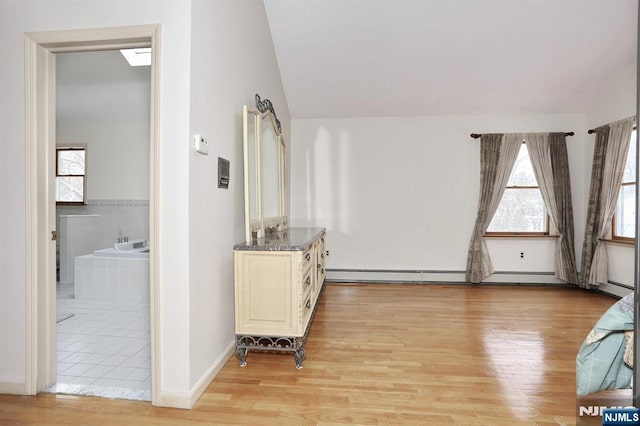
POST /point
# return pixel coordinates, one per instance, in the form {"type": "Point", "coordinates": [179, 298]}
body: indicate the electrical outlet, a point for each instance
{"type": "Point", "coordinates": [200, 144]}
{"type": "Point", "coordinates": [327, 253]}
{"type": "Point", "coordinates": [521, 255]}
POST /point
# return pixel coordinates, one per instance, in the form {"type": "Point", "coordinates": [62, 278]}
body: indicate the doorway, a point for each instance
{"type": "Point", "coordinates": [40, 51]}
{"type": "Point", "coordinates": [102, 212]}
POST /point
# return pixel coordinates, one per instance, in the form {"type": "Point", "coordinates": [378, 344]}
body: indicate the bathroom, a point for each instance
{"type": "Point", "coordinates": [102, 123]}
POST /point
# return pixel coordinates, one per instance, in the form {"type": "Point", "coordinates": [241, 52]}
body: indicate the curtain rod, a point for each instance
{"type": "Point", "coordinates": [477, 135]}
{"type": "Point", "coordinates": [592, 131]}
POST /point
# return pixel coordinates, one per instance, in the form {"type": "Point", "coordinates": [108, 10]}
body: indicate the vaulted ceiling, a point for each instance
{"type": "Point", "coordinates": [372, 58]}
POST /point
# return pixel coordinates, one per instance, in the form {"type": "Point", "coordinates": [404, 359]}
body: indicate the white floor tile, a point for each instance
{"type": "Point", "coordinates": [108, 383]}
{"type": "Point", "coordinates": [96, 358]}
{"type": "Point", "coordinates": [62, 379]}
{"type": "Point", "coordinates": [98, 371]}
{"type": "Point", "coordinates": [137, 362]}
{"type": "Point", "coordinates": [63, 354]}
{"type": "Point", "coordinates": [77, 357]}
{"type": "Point", "coordinates": [83, 380]}
{"type": "Point", "coordinates": [115, 360]}
{"type": "Point", "coordinates": [103, 350]}
{"type": "Point", "coordinates": [118, 373]}
{"type": "Point", "coordinates": [139, 374]}
{"type": "Point", "coordinates": [76, 347]}
{"type": "Point", "coordinates": [77, 369]}
{"type": "Point", "coordinates": [64, 366]}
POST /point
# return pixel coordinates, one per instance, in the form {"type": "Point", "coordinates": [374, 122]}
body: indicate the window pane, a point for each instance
{"type": "Point", "coordinates": [630, 167]}
{"type": "Point", "coordinates": [71, 162]}
{"type": "Point", "coordinates": [522, 173]}
{"type": "Point", "coordinates": [626, 212]}
{"type": "Point", "coordinates": [521, 210]}
{"type": "Point", "coordinates": [70, 189]}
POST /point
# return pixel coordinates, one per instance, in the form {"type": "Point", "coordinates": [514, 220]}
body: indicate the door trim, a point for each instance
{"type": "Point", "coordinates": [40, 49]}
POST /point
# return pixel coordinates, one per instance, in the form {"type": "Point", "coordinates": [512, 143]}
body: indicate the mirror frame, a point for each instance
{"type": "Point", "coordinates": [259, 226]}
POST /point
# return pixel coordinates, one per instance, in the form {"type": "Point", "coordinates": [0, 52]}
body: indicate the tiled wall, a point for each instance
{"type": "Point", "coordinates": [112, 279]}
{"type": "Point", "coordinates": [128, 218]}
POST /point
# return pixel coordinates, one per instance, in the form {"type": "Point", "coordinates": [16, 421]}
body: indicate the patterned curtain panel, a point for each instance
{"type": "Point", "coordinates": [497, 156]}
{"type": "Point", "coordinates": [550, 162]}
{"type": "Point", "coordinates": [609, 157]}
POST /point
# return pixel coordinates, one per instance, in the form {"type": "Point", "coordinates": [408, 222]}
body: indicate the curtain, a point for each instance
{"type": "Point", "coordinates": [550, 162]}
{"type": "Point", "coordinates": [609, 157]}
{"type": "Point", "coordinates": [498, 154]}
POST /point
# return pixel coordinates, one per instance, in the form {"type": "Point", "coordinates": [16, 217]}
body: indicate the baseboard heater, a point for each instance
{"type": "Point", "coordinates": [402, 276]}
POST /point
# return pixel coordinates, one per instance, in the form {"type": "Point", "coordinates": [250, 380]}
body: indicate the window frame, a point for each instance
{"type": "Point", "coordinates": [75, 147]}
{"type": "Point", "coordinates": [545, 233]}
{"type": "Point", "coordinates": [614, 236]}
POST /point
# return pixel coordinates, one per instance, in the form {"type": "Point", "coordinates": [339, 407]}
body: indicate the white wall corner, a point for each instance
{"type": "Point", "coordinates": [212, 372]}
{"type": "Point", "coordinates": [187, 400]}
{"type": "Point", "coordinates": [173, 399]}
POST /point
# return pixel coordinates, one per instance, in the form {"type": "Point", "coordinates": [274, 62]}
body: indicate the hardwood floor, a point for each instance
{"type": "Point", "coordinates": [387, 354]}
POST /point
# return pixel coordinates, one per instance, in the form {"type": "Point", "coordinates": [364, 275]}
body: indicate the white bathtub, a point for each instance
{"type": "Point", "coordinates": [141, 253]}
{"type": "Point", "coordinates": [113, 275]}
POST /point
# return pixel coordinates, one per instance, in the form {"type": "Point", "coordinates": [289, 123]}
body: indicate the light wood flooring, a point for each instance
{"type": "Point", "coordinates": [386, 354]}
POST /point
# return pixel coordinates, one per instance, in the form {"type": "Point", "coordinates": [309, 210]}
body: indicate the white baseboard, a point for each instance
{"type": "Point", "coordinates": [13, 388]}
{"type": "Point", "coordinates": [437, 277]}
{"type": "Point", "coordinates": [187, 400]}
{"type": "Point", "coordinates": [174, 399]}
{"type": "Point", "coordinates": [211, 373]}
{"type": "Point", "coordinates": [615, 289]}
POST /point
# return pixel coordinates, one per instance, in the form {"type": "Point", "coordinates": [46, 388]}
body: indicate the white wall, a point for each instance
{"type": "Point", "coordinates": [103, 102]}
{"type": "Point", "coordinates": [234, 61]}
{"type": "Point", "coordinates": [616, 103]}
{"type": "Point", "coordinates": [402, 193]}
{"type": "Point", "coordinates": [16, 18]}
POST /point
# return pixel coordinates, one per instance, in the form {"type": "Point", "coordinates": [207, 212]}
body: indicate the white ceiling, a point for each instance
{"type": "Point", "coordinates": [372, 58]}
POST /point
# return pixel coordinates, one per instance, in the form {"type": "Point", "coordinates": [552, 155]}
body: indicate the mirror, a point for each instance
{"type": "Point", "coordinates": [265, 180]}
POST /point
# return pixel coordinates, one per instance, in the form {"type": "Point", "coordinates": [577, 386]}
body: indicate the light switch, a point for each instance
{"type": "Point", "coordinates": [200, 144]}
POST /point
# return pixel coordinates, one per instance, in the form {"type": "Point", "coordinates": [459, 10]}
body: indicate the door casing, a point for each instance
{"type": "Point", "coordinates": [40, 82]}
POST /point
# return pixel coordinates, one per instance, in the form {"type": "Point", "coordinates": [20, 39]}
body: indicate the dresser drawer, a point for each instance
{"type": "Point", "coordinates": [307, 259]}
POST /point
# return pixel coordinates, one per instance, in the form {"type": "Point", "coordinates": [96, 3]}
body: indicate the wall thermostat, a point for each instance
{"type": "Point", "coordinates": [200, 144]}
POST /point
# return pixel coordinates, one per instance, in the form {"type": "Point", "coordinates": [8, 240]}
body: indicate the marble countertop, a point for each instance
{"type": "Point", "coordinates": [291, 239]}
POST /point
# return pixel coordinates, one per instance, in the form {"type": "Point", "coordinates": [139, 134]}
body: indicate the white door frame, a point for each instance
{"type": "Point", "coordinates": [40, 50]}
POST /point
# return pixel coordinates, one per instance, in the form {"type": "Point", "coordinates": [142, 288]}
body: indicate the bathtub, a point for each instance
{"type": "Point", "coordinates": [141, 253]}
{"type": "Point", "coordinates": [116, 274]}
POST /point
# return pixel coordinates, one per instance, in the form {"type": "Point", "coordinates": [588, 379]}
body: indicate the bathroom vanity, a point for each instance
{"type": "Point", "coordinates": [278, 271]}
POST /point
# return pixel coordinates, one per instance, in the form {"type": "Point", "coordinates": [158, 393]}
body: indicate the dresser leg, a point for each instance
{"type": "Point", "coordinates": [241, 354]}
{"type": "Point", "coordinates": [300, 354]}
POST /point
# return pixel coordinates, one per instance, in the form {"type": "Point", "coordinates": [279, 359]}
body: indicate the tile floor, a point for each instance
{"type": "Point", "coordinates": [103, 348]}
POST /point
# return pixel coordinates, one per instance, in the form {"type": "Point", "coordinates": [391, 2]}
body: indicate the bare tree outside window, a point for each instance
{"type": "Point", "coordinates": [70, 175]}
{"type": "Point", "coordinates": [522, 209]}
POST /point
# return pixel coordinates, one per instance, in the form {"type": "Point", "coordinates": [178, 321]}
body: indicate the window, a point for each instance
{"type": "Point", "coordinates": [521, 210]}
{"type": "Point", "coordinates": [70, 175]}
{"type": "Point", "coordinates": [624, 219]}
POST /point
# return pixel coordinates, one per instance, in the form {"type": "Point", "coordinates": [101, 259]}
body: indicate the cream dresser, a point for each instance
{"type": "Point", "coordinates": [278, 279]}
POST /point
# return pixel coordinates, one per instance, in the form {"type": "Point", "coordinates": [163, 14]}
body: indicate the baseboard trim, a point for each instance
{"type": "Point", "coordinates": [13, 388]}
{"type": "Point", "coordinates": [211, 373]}
{"type": "Point", "coordinates": [187, 400]}
{"type": "Point", "coordinates": [437, 277]}
{"type": "Point", "coordinates": [613, 288]}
